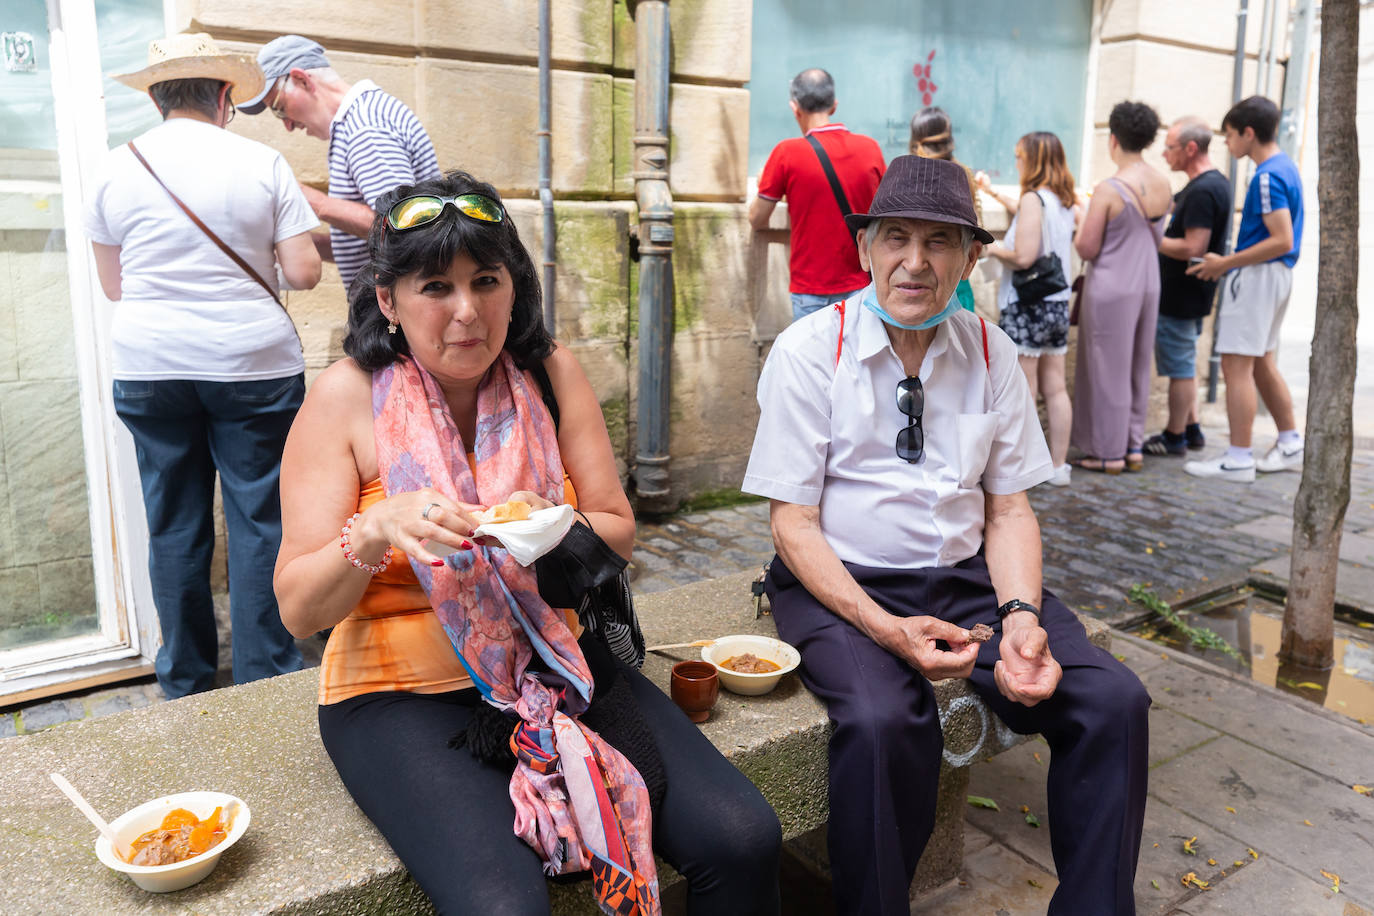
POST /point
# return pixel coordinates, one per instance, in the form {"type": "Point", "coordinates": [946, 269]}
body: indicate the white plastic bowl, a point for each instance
{"type": "Point", "coordinates": [133, 823]}
{"type": "Point", "coordinates": [752, 685]}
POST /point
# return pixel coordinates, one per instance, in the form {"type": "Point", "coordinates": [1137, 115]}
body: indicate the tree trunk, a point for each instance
{"type": "Point", "coordinates": [1319, 511]}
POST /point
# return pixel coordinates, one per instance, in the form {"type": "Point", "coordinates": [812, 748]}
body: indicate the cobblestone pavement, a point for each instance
{"type": "Point", "coordinates": [1103, 534]}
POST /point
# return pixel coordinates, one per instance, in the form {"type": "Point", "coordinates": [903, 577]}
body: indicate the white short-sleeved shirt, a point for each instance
{"type": "Point", "coordinates": [827, 436]}
{"type": "Point", "coordinates": [188, 311]}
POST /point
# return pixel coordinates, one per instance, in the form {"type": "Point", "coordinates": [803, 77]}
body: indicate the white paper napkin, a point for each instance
{"type": "Point", "coordinates": [529, 539]}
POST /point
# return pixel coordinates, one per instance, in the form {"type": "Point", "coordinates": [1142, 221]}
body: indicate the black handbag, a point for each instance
{"type": "Point", "coordinates": [1045, 276]}
{"type": "Point", "coordinates": [585, 573]}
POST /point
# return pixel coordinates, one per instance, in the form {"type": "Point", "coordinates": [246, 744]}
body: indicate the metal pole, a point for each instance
{"type": "Point", "coordinates": [655, 201]}
{"type": "Point", "coordinates": [1237, 80]}
{"type": "Point", "coordinates": [1295, 78]}
{"type": "Point", "coordinates": [546, 166]}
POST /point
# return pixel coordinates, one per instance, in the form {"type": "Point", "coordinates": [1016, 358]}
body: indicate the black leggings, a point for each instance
{"type": "Point", "coordinates": [449, 817]}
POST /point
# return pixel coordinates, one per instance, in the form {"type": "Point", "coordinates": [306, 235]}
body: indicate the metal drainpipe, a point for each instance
{"type": "Point", "coordinates": [546, 166]}
{"type": "Point", "coordinates": [655, 202]}
{"type": "Point", "coordinates": [1237, 87]}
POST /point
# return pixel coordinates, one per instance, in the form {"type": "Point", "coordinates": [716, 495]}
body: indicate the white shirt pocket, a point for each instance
{"type": "Point", "coordinates": [975, 431]}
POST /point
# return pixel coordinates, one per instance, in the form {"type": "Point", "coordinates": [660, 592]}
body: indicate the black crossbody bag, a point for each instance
{"type": "Point", "coordinates": [583, 572]}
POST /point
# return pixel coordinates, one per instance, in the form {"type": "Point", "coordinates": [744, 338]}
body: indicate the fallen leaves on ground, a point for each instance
{"type": "Point", "coordinates": [1253, 854]}
{"type": "Point", "coordinates": [1154, 884]}
{"type": "Point", "coordinates": [1363, 790]}
{"type": "Point", "coordinates": [1211, 861]}
{"type": "Point", "coordinates": [1192, 880]}
{"type": "Point", "coordinates": [979, 801]}
{"type": "Point", "coordinates": [1238, 863]}
{"type": "Point", "coordinates": [1308, 823]}
{"type": "Point", "coordinates": [1334, 879]}
{"type": "Point", "coordinates": [1036, 755]}
{"type": "Point", "coordinates": [1229, 808]}
{"type": "Point", "coordinates": [1033, 883]}
{"type": "Point", "coordinates": [1190, 846]}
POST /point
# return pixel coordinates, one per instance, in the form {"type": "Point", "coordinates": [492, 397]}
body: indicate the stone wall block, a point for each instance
{"type": "Point", "coordinates": [390, 22]}
{"type": "Point", "coordinates": [9, 341]}
{"type": "Point", "coordinates": [581, 29]}
{"type": "Point", "coordinates": [496, 140]}
{"type": "Point", "coordinates": [709, 39]}
{"type": "Point", "coordinates": [708, 134]}
{"type": "Point", "coordinates": [45, 468]}
{"type": "Point", "coordinates": [711, 270]}
{"type": "Point", "coordinates": [42, 313]}
{"type": "Point", "coordinates": [308, 157]}
{"type": "Point", "coordinates": [1211, 23]}
{"type": "Point", "coordinates": [714, 411]}
{"type": "Point", "coordinates": [66, 590]}
{"type": "Point", "coordinates": [19, 603]}
{"type": "Point", "coordinates": [1176, 81]}
{"type": "Point", "coordinates": [321, 319]}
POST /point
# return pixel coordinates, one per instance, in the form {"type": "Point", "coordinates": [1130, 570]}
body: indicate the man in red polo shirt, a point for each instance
{"type": "Point", "coordinates": [824, 261]}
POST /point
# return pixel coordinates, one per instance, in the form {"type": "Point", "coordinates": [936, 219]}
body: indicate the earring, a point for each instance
{"type": "Point", "coordinates": [391, 327]}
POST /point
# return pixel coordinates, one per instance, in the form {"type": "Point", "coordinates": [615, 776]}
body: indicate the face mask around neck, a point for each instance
{"type": "Point", "coordinates": [870, 302]}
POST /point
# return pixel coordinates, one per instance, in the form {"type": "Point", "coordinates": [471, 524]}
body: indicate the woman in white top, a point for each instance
{"type": "Point", "coordinates": [1042, 221]}
{"type": "Point", "coordinates": [208, 370]}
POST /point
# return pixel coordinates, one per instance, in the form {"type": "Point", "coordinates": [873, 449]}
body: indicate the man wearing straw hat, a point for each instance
{"type": "Point", "coordinates": [189, 226]}
{"type": "Point", "coordinates": [375, 141]}
{"type": "Point", "coordinates": [895, 562]}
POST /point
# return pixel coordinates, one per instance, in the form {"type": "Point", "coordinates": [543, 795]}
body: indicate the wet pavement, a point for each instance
{"type": "Point", "coordinates": [1238, 765]}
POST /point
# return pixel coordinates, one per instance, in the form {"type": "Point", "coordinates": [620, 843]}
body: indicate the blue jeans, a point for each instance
{"type": "Point", "coordinates": [185, 431]}
{"type": "Point", "coordinates": [806, 303]}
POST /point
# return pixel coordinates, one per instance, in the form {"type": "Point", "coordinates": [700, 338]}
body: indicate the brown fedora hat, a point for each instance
{"type": "Point", "coordinates": [914, 187]}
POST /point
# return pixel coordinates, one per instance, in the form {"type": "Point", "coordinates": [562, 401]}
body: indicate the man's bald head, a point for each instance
{"type": "Point", "coordinates": [813, 90]}
{"type": "Point", "coordinates": [1192, 129]}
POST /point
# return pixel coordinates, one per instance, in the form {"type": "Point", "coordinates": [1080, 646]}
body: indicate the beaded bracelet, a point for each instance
{"type": "Point", "coordinates": [352, 557]}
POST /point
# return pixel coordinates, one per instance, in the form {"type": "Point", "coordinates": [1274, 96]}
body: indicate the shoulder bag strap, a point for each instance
{"type": "Point", "coordinates": [987, 360]}
{"type": "Point", "coordinates": [1044, 226]}
{"type": "Point", "coordinates": [233, 255]}
{"type": "Point", "coordinates": [830, 175]}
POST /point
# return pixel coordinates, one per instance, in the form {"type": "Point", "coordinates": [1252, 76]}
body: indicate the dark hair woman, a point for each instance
{"type": "Point", "coordinates": [433, 627]}
{"type": "Point", "coordinates": [1043, 222]}
{"type": "Point", "coordinates": [1120, 237]}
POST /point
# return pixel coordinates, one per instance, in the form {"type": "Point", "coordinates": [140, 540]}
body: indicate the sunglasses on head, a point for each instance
{"type": "Point", "coordinates": [423, 209]}
{"type": "Point", "coordinates": [911, 439]}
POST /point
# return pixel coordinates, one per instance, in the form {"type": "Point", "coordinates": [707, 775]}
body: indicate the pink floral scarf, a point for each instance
{"type": "Point", "coordinates": [578, 802]}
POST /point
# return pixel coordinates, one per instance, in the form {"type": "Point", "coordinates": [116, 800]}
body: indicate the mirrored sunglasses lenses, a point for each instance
{"type": "Point", "coordinates": [415, 211]}
{"type": "Point", "coordinates": [911, 397]}
{"type": "Point", "coordinates": [478, 207]}
{"type": "Point", "coordinates": [911, 444]}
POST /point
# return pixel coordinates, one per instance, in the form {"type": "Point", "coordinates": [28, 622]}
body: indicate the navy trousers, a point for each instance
{"type": "Point", "coordinates": [886, 749]}
{"type": "Point", "coordinates": [185, 431]}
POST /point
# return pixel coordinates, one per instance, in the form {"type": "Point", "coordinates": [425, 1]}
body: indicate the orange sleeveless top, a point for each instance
{"type": "Point", "coordinates": [392, 639]}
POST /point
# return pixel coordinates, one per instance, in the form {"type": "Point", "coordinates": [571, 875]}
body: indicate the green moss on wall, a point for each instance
{"type": "Point", "coordinates": [617, 413]}
{"type": "Point", "coordinates": [593, 256]}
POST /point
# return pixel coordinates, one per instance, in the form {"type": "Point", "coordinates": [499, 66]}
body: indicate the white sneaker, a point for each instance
{"type": "Point", "coordinates": [1278, 459]}
{"type": "Point", "coordinates": [1218, 467]}
{"type": "Point", "coordinates": [1061, 476]}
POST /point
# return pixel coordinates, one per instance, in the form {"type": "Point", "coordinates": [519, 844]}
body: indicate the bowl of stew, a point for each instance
{"type": "Point", "coordinates": [750, 665]}
{"type": "Point", "coordinates": [176, 840]}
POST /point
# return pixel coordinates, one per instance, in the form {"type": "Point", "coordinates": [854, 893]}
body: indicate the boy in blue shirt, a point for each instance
{"type": "Point", "coordinates": [1254, 296]}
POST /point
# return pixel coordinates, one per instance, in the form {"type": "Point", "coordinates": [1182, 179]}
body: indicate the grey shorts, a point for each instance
{"type": "Point", "coordinates": [1253, 302]}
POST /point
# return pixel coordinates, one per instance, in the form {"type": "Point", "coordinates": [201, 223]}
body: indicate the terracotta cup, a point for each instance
{"type": "Point", "coordinates": [694, 687]}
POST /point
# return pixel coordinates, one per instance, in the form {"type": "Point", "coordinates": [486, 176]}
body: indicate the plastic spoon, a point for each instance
{"type": "Point", "coordinates": [85, 808]}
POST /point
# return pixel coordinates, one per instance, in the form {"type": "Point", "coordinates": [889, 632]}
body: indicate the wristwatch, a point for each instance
{"type": "Point", "coordinates": [1014, 605]}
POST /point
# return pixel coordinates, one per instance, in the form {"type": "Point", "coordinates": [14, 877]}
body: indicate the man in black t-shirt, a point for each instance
{"type": "Point", "coordinates": [1200, 222]}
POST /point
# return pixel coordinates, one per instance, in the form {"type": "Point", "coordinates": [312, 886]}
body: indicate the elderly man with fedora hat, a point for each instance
{"type": "Point", "coordinates": [896, 441]}
{"type": "Point", "coordinates": [189, 225]}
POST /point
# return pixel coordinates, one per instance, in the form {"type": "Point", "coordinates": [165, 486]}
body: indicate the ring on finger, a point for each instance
{"type": "Point", "coordinates": [425, 514]}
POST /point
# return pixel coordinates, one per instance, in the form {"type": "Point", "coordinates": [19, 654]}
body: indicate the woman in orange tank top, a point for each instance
{"type": "Point", "coordinates": [433, 625]}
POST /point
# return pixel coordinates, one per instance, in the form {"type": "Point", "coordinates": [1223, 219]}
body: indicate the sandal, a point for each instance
{"type": "Point", "coordinates": [1101, 465]}
{"type": "Point", "coordinates": [1135, 461]}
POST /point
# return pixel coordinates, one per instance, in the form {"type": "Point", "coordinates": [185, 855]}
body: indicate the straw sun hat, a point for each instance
{"type": "Point", "coordinates": [195, 56]}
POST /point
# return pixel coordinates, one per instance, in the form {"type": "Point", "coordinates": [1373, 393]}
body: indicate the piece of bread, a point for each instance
{"type": "Point", "coordinates": [513, 511]}
{"type": "Point", "coordinates": [980, 632]}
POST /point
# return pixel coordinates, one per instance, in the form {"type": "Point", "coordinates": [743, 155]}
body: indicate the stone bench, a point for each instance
{"type": "Point", "coordinates": [310, 851]}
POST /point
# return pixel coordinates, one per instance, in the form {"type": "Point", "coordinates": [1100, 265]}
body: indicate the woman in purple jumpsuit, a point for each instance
{"type": "Point", "coordinates": [1116, 328]}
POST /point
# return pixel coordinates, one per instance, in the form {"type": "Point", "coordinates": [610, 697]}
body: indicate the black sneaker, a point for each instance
{"type": "Point", "coordinates": [1162, 444]}
{"type": "Point", "coordinates": [1196, 440]}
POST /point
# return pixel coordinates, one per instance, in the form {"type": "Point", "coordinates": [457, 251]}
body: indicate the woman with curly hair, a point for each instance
{"type": "Point", "coordinates": [1116, 328]}
{"type": "Point", "coordinates": [1042, 222]}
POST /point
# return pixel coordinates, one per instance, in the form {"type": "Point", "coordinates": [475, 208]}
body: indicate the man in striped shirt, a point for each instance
{"type": "Point", "coordinates": [375, 141]}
